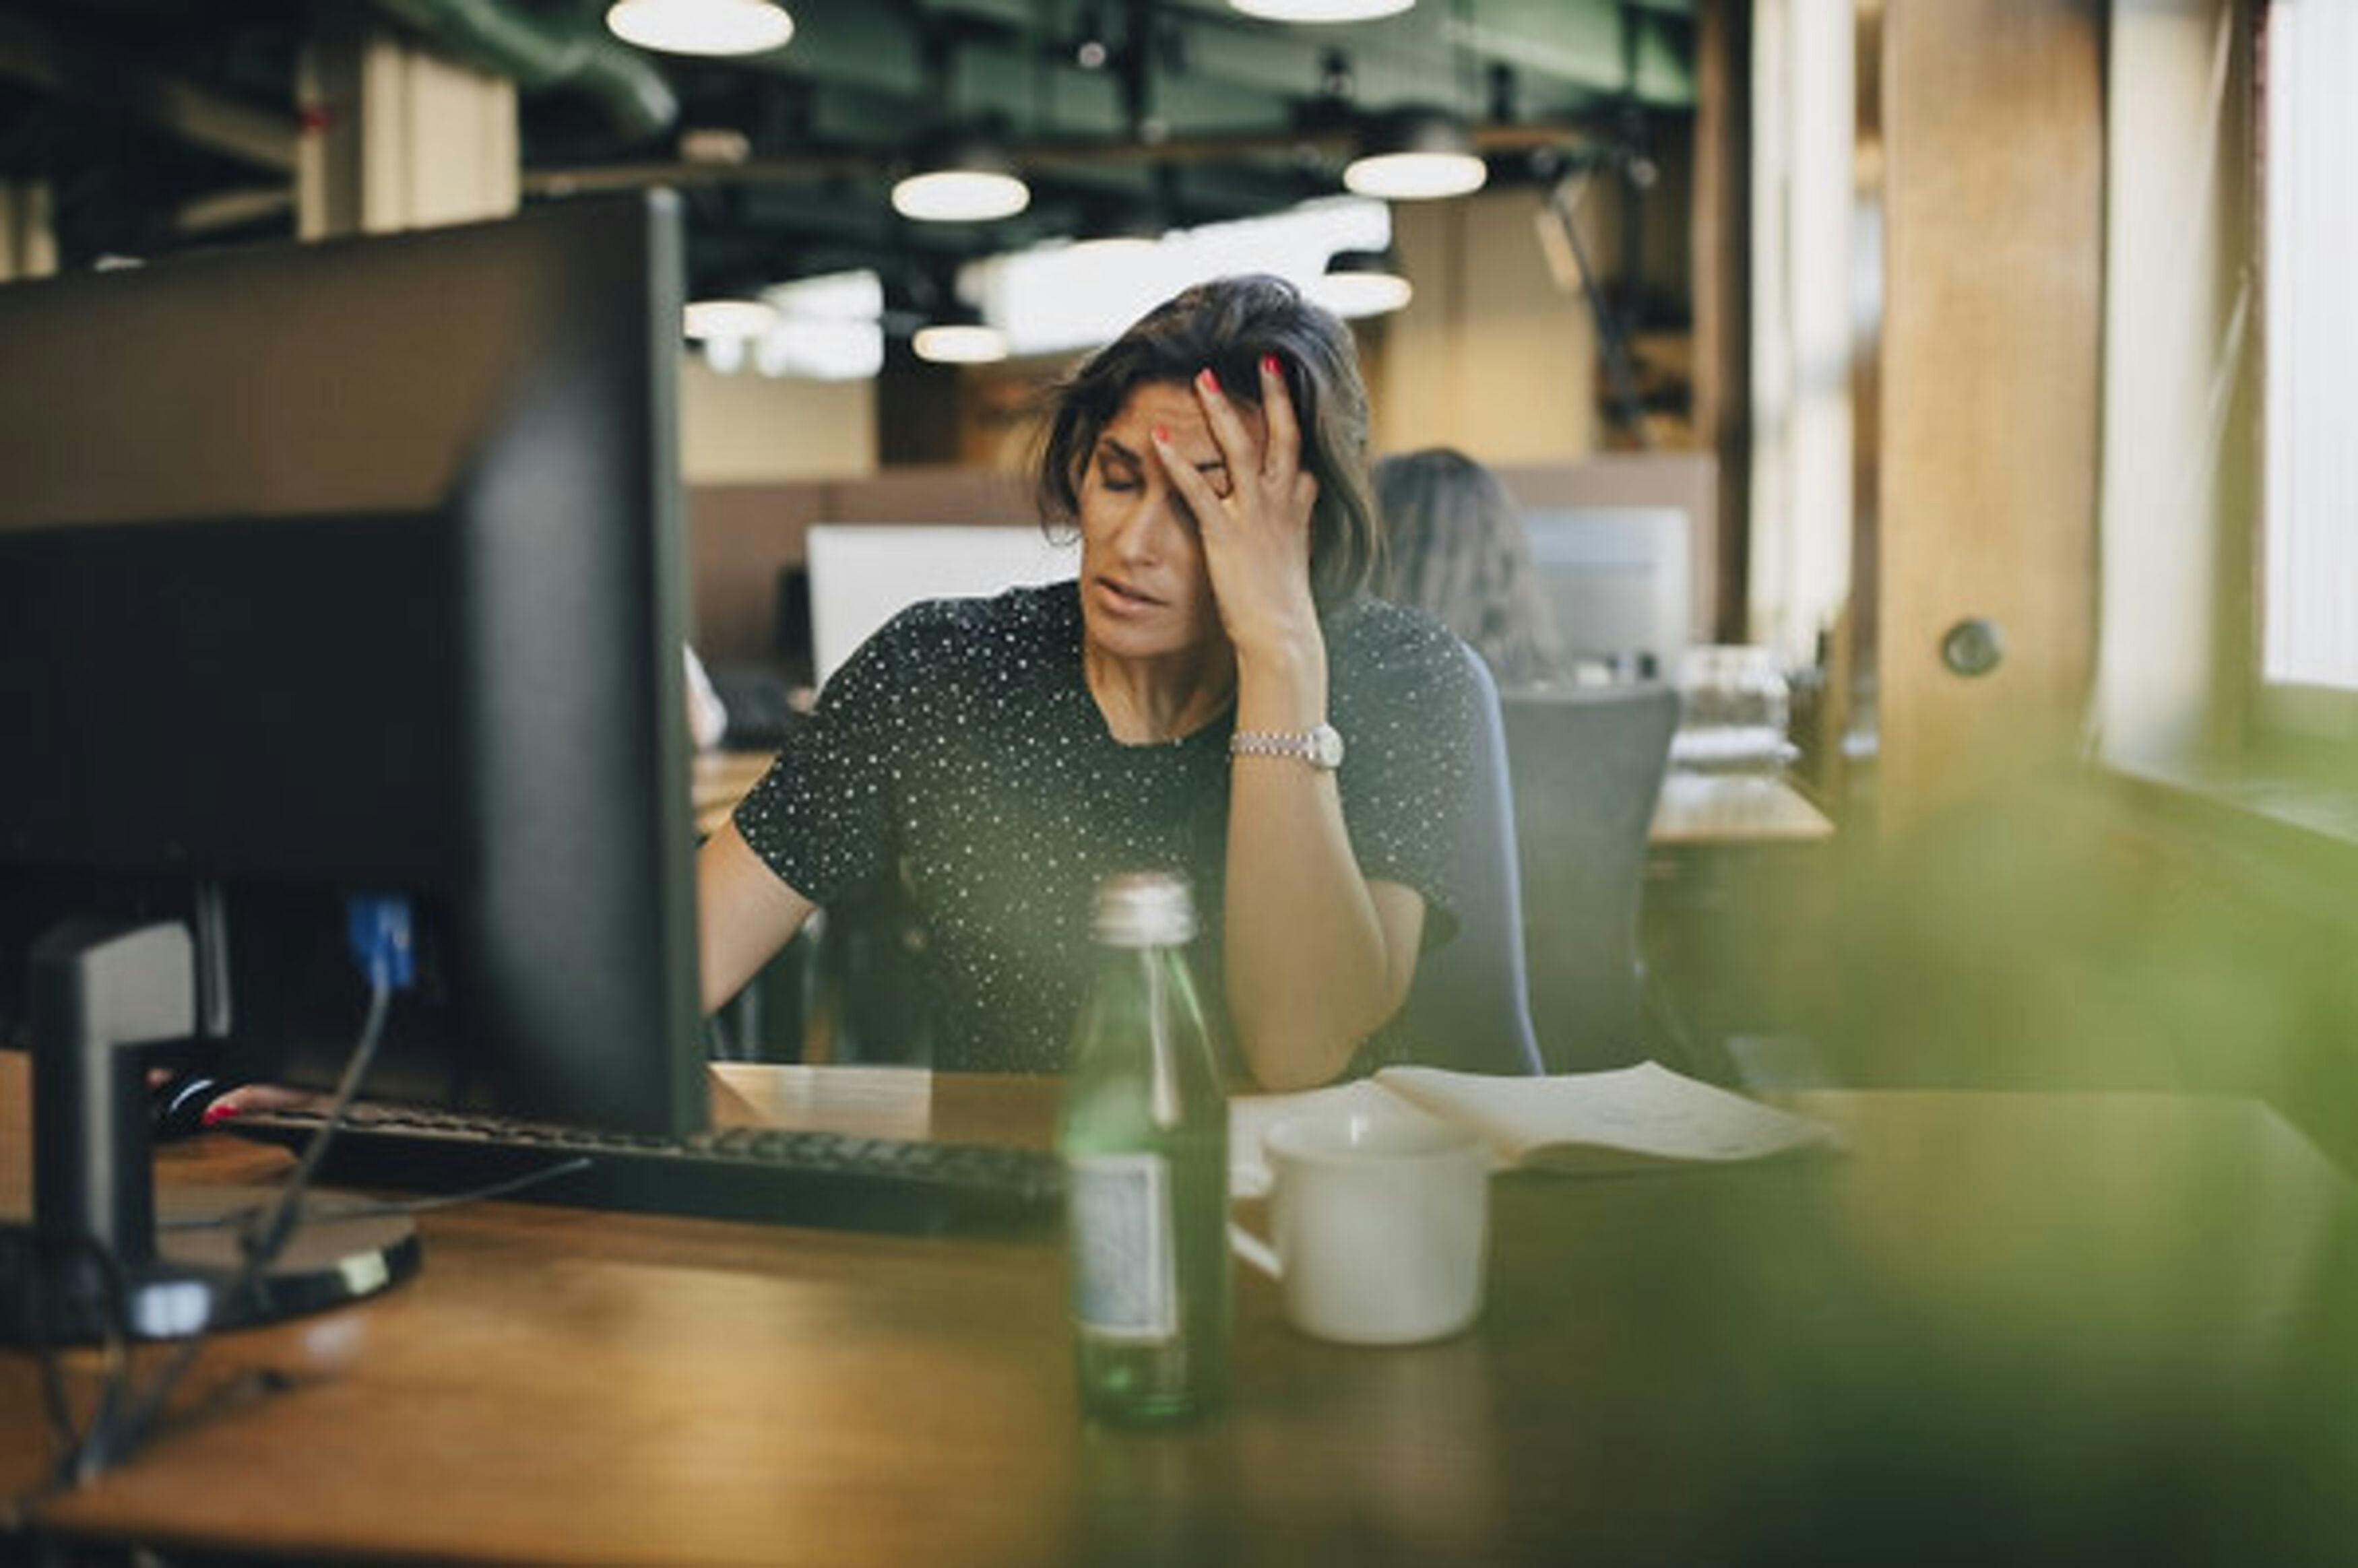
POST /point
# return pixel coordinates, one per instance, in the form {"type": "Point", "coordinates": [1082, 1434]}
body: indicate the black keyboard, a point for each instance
{"type": "Point", "coordinates": [778, 1177]}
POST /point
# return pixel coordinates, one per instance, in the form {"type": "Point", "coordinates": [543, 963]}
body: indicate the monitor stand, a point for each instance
{"type": "Point", "coordinates": [100, 992]}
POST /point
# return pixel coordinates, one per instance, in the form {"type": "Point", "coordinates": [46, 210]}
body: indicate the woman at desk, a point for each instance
{"type": "Point", "coordinates": [1183, 705]}
{"type": "Point", "coordinates": [1454, 546]}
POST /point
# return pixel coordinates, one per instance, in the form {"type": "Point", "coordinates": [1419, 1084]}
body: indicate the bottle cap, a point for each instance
{"type": "Point", "coordinates": [1144, 909]}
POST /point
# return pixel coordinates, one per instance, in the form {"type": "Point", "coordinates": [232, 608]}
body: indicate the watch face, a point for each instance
{"type": "Point", "coordinates": [1327, 746]}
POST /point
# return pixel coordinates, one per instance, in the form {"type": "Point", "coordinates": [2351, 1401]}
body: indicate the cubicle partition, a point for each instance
{"type": "Point", "coordinates": [743, 538]}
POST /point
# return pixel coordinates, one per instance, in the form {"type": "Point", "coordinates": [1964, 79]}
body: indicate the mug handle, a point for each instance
{"type": "Point", "coordinates": [1254, 1250]}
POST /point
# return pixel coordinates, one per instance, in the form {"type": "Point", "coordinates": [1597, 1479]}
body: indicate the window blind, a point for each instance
{"type": "Point", "coordinates": [2309, 560]}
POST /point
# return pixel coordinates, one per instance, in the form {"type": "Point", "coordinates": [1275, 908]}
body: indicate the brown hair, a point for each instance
{"type": "Point", "coordinates": [1228, 324]}
{"type": "Point", "coordinates": [1455, 549]}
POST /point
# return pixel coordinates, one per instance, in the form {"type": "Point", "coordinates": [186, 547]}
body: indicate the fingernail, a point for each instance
{"type": "Point", "coordinates": [221, 1110]}
{"type": "Point", "coordinates": [1269, 364]}
{"type": "Point", "coordinates": [1161, 437]}
{"type": "Point", "coordinates": [1207, 380]}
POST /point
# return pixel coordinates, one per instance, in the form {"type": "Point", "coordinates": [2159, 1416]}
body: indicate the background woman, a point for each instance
{"type": "Point", "coordinates": [1183, 705]}
{"type": "Point", "coordinates": [1455, 549]}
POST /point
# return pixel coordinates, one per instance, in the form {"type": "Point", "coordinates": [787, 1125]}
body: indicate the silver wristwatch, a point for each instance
{"type": "Point", "coordinates": [1321, 747]}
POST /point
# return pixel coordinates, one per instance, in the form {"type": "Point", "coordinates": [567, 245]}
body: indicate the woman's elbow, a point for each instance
{"type": "Point", "coordinates": [1295, 1068]}
{"type": "Point", "coordinates": [1285, 1054]}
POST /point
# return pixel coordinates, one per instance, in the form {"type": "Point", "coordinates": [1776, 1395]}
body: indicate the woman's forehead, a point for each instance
{"type": "Point", "coordinates": [1172, 405]}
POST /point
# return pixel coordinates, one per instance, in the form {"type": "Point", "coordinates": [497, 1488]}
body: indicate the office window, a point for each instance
{"type": "Point", "coordinates": [2308, 599]}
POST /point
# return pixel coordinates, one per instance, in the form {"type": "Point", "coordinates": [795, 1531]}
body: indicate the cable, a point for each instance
{"type": "Point", "coordinates": [261, 1242]}
{"type": "Point", "coordinates": [378, 930]}
{"type": "Point", "coordinates": [114, 1330]}
{"type": "Point", "coordinates": [333, 1214]}
{"type": "Point", "coordinates": [58, 1404]}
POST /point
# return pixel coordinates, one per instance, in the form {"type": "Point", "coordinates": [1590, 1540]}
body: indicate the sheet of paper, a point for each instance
{"type": "Point", "coordinates": [1611, 1120]}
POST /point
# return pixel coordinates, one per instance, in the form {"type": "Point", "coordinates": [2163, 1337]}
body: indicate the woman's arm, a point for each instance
{"type": "Point", "coordinates": [1317, 956]}
{"type": "Point", "coordinates": [743, 914]}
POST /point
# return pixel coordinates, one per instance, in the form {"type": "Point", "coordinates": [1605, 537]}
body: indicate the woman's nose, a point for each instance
{"type": "Point", "coordinates": [1138, 533]}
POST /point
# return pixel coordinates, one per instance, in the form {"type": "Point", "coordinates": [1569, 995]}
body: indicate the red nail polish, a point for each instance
{"type": "Point", "coordinates": [1161, 436]}
{"type": "Point", "coordinates": [221, 1110]}
{"type": "Point", "coordinates": [1269, 364]}
{"type": "Point", "coordinates": [1207, 380]}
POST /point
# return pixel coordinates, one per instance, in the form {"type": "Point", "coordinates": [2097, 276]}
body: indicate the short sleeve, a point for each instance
{"type": "Point", "coordinates": [821, 817]}
{"type": "Point", "coordinates": [1404, 699]}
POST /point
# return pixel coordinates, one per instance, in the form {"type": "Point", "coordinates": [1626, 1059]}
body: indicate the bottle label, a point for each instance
{"type": "Point", "coordinates": [1125, 1278]}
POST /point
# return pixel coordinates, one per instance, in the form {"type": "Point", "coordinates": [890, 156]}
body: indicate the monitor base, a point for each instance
{"type": "Point", "coordinates": [61, 1297]}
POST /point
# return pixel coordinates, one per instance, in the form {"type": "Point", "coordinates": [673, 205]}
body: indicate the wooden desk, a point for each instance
{"type": "Point", "coordinates": [2005, 1328]}
{"type": "Point", "coordinates": [1737, 876]}
{"type": "Point", "coordinates": [1734, 808]}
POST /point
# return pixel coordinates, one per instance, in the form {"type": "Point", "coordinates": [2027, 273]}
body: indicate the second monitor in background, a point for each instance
{"type": "Point", "coordinates": [1617, 580]}
{"type": "Point", "coordinates": [863, 574]}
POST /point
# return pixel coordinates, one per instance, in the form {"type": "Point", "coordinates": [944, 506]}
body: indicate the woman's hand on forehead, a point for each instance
{"type": "Point", "coordinates": [1256, 527]}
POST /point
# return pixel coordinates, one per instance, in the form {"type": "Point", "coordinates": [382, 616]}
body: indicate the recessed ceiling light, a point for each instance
{"type": "Point", "coordinates": [960, 196]}
{"type": "Point", "coordinates": [961, 178]}
{"type": "Point", "coordinates": [814, 348]}
{"type": "Point", "coordinates": [707, 319]}
{"type": "Point", "coordinates": [959, 343]}
{"type": "Point", "coordinates": [1416, 154]}
{"type": "Point", "coordinates": [701, 27]}
{"type": "Point", "coordinates": [1318, 11]}
{"type": "Point", "coordinates": [1360, 283]}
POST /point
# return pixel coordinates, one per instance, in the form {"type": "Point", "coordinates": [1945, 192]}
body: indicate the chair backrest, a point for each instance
{"type": "Point", "coordinates": [1587, 766]}
{"type": "Point", "coordinates": [1468, 1008]}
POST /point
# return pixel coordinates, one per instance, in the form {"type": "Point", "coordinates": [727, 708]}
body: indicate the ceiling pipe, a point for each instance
{"type": "Point", "coordinates": [538, 52]}
{"type": "Point", "coordinates": [197, 116]}
{"type": "Point", "coordinates": [1044, 156]}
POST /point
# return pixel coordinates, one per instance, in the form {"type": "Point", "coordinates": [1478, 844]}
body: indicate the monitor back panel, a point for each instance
{"type": "Point", "coordinates": [357, 567]}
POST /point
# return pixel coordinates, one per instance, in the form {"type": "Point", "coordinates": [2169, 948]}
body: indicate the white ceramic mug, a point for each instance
{"type": "Point", "coordinates": [1381, 1224]}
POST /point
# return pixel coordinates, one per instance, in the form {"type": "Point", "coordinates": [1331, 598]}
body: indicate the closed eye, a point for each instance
{"type": "Point", "coordinates": [1117, 470]}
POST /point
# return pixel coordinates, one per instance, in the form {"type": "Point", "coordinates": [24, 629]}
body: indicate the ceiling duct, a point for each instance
{"type": "Point", "coordinates": [540, 52]}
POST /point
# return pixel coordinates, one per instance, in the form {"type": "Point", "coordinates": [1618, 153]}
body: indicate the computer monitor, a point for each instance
{"type": "Point", "coordinates": [1616, 578]}
{"type": "Point", "coordinates": [863, 574]}
{"type": "Point", "coordinates": [357, 567]}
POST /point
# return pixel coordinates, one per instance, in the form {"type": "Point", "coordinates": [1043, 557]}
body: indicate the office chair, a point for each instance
{"type": "Point", "coordinates": [1468, 1008]}
{"type": "Point", "coordinates": [1587, 766]}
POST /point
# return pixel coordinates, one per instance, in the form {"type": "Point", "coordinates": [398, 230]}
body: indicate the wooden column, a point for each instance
{"type": "Point", "coordinates": [397, 138]}
{"type": "Point", "coordinates": [29, 240]}
{"type": "Point", "coordinates": [1722, 229]}
{"type": "Point", "coordinates": [1988, 457]}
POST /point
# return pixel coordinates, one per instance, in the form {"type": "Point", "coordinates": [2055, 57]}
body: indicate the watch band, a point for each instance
{"type": "Point", "coordinates": [1321, 747]}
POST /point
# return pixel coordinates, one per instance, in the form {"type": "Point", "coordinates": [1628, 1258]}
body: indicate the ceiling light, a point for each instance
{"type": "Point", "coordinates": [701, 27]}
{"type": "Point", "coordinates": [1360, 283]}
{"type": "Point", "coordinates": [816, 348]}
{"type": "Point", "coordinates": [1117, 249]}
{"type": "Point", "coordinates": [1416, 154]}
{"type": "Point", "coordinates": [855, 296]}
{"type": "Point", "coordinates": [1052, 298]}
{"type": "Point", "coordinates": [959, 343]}
{"type": "Point", "coordinates": [961, 178]}
{"type": "Point", "coordinates": [1321, 10]}
{"type": "Point", "coordinates": [1124, 238]}
{"type": "Point", "coordinates": [960, 196]}
{"type": "Point", "coordinates": [709, 319]}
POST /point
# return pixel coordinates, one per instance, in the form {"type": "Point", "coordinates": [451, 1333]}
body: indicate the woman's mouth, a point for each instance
{"type": "Point", "coordinates": [1122, 599]}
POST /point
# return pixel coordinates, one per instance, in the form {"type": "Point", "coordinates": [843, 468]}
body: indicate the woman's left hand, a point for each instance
{"type": "Point", "coordinates": [1255, 535]}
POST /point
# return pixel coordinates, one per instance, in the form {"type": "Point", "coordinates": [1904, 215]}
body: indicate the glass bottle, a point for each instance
{"type": "Point", "coordinates": [1144, 1133]}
